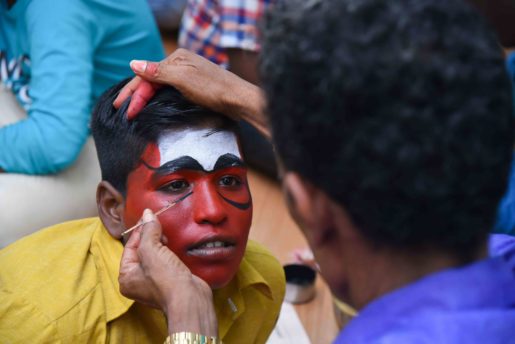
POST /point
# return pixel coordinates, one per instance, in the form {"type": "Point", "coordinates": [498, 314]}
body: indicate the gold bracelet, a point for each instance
{"type": "Point", "coordinates": [191, 338]}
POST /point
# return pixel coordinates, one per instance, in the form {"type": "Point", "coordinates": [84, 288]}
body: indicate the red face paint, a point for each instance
{"type": "Point", "coordinates": [209, 229]}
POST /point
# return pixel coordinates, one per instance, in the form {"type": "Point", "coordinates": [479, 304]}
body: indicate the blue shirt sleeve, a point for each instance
{"type": "Point", "coordinates": [60, 35]}
{"type": "Point", "coordinates": [510, 65]}
{"type": "Point", "coordinates": [505, 222]}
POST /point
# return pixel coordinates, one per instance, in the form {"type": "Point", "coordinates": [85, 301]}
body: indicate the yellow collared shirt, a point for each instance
{"type": "Point", "coordinates": [60, 285]}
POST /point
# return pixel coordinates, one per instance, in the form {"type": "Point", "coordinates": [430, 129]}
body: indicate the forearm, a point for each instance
{"type": "Point", "coordinates": [61, 74]}
{"type": "Point", "coordinates": [247, 101]}
{"type": "Point", "coordinates": [42, 146]}
{"type": "Point", "coordinates": [192, 315]}
{"type": "Point", "coordinates": [244, 64]}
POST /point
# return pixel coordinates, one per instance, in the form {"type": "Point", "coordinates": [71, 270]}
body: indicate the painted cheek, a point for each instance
{"type": "Point", "coordinates": [236, 201]}
{"type": "Point", "coordinates": [140, 192]}
{"type": "Point", "coordinates": [241, 220]}
{"type": "Point", "coordinates": [240, 195]}
{"type": "Point", "coordinates": [176, 223]}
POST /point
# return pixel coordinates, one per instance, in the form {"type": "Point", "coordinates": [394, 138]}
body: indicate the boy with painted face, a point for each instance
{"type": "Point", "coordinates": [201, 165]}
{"type": "Point", "coordinates": [172, 151]}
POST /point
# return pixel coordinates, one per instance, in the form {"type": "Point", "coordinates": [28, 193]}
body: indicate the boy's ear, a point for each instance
{"type": "Point", "coordinates": [110, 203]}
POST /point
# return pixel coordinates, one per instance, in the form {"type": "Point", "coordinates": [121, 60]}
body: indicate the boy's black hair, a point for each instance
{"type": "Point", "coordinates": [120, 142]}
{"type": "Point", "coordinates": [400, 110]}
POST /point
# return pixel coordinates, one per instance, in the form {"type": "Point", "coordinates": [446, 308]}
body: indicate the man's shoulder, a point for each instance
{"type": "Point", "coordinates": [501, 244]}
{"type": "Point", "coordinates": [443, 327]}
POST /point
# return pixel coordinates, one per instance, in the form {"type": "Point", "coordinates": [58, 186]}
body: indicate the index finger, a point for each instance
{"type": "Point", "coordinates": [127, 91]}
{"type": "Point", "coordinates": [134, 239]}
{"type": "Point", "coordinates": [130, 254]}
{"type": "Point", "coordinates": [150, 231]}
{"type": "Point", "coordinates": [140, 97]}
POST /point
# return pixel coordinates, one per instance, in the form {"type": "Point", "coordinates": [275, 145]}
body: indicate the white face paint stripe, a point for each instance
{"type": "Point", "coordinates": [201, 144]}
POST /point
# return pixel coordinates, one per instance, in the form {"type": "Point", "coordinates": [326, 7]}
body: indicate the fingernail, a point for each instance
{"type": "Point", "coordinates": [138, 66]}
{"type": "Point", "coordinates": [148, 216]}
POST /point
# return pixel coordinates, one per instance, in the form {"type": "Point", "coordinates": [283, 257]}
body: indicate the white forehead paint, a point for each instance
{"type": "Point", "coordinates": [203, 145]}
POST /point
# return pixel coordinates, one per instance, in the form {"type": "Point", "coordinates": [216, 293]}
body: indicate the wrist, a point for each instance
{"type": "Point", "coordinates": [192, 312]}
{"type": "Point", "coordinates": [243, 100]}
{"type": "Point", "coordinates": [191, 338]}
{"type": "Point", "coordinates": [235, 96]}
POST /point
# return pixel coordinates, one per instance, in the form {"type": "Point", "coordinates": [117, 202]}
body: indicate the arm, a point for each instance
{"type": "Point", "coordinates": [152, 274]}
{"type": "Point", "coordinates": [202, 82]}
{"type": "Point", "coordinates": [244, 64]}
{"type": "Point", "coordinates": [61, 54]}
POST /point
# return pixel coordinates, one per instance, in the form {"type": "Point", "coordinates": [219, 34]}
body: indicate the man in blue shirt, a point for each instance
{"type": "Point", "coordinates": [393, 121]}
{"type": "Point", "coordinates": [56, 58]}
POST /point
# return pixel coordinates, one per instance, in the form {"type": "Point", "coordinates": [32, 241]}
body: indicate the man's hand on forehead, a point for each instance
{"type": "Point", "coordinates": [199, 80]}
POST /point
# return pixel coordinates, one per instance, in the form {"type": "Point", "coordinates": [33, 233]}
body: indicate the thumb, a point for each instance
{"type": "Point", "coordinates": [150, 232]}
{"type": "Point", "coordinates": [155, 72]}
{"type": "Point", "coordinates": [147, 70]}
{"type": "Point", "coordinates": [134, 239]}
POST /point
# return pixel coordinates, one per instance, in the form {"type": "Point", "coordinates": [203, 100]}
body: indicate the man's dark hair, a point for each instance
{"type": "Point", "coordinates": [400, 110]}
{"type": "Point", "coordinates": [120, 142]}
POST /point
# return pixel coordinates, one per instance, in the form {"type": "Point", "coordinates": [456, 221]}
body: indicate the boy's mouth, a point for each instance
{"type": "Point", "coordinates": [213, 248]}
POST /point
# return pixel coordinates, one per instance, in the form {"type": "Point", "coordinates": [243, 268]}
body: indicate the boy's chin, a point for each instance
{"type": "Point", "coordinates": [217, 281]}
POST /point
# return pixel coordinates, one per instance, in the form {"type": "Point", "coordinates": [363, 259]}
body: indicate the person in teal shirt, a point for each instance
{"type": "Point", "coordinates": [56, 58]}
{"type": "Point", "coordinates": [60, 56]}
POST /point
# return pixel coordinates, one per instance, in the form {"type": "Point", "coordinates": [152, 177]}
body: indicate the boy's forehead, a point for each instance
{"type": "Point", "coordinates": [205, 145]}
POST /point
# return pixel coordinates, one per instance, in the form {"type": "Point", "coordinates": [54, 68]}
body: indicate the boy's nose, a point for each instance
{"type": "Point", "coordinates": [208, 207]}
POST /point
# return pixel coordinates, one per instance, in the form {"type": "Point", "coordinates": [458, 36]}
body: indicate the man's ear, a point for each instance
{"type": "Point", "coordinates": [310, 207]}
{"type": "Point", "coordinates": [110, 203]}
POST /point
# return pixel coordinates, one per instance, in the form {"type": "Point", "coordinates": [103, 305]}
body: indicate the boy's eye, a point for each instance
{"type": "Point", "coordinates": [176, 186]}
{"type": "Point", "coordinates": [229, 181]}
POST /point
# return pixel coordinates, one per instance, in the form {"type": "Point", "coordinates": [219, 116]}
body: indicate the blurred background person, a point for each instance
{"type": "Point", "coordinates": [226, 32]}
{"type": "Point", "coordinates": [168, 13]}
{"type": "Point", "coordinates": [56, 58]}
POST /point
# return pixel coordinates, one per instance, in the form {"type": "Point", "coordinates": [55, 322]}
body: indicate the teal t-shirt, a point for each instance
{"type": "Point", "coordinates": [58, 56]}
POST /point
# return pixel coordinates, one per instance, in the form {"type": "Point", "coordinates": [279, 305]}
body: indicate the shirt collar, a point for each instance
{"type": "Point", "coordinates": [229, 301]}
{"type": "Point", "coordinates": [107, 253]}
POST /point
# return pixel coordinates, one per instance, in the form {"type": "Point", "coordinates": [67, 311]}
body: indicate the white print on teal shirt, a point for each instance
{"type": "Point", "coordinates": [15, 75]}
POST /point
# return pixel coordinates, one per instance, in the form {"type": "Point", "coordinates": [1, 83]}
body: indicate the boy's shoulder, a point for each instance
{"type": "Point", "coordinates": [261, 284]}
{"type": "Point", "coordinates": [53, 264]}
{"type": "Point", "coordinates": [48, 243]}
{"type": "Point", "coordinates": [267, 265]}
